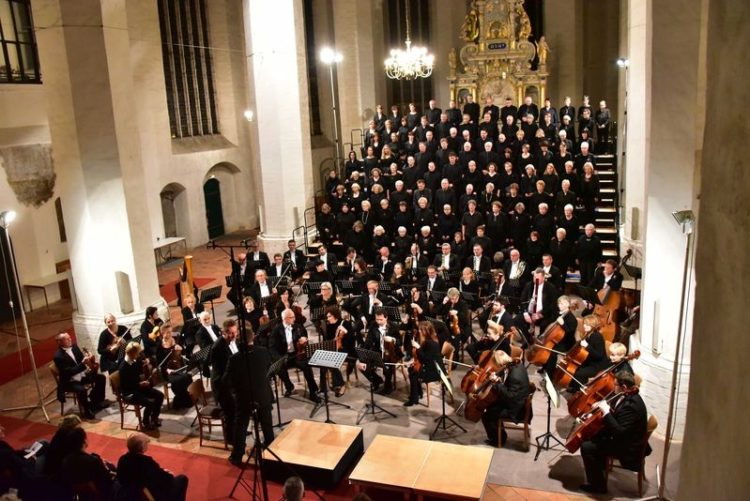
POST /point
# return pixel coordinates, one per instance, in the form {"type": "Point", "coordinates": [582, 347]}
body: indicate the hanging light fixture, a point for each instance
{"type": "Point", "coordinates": [414, 62]}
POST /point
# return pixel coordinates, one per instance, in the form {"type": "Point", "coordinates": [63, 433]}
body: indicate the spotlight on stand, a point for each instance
{"type": "Point", "coordinates": [623, 62]}
{"type": "Point", "coordinates": [7, 217]}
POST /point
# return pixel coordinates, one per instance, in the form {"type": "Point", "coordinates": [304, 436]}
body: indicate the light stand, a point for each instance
{"type": "Point", "coordinates": [330, 58]}
{"type": "Point", "coordinates": [6, 218]}
{"type": "Point", "coordinates": [686, 219]}
{"type": "Point", "coordinates": [623, 64]}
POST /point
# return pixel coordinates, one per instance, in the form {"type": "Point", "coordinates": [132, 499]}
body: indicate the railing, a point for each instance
{"type": "Point", "coordinates": [308, 217]}
{"type": "Point", "coordinates": [360, 134]}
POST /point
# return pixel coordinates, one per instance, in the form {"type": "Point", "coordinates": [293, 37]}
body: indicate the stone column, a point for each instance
{"type": "Point", "coordinates": [563, 29]}
{"type": "Point", "coordinates": [84, 50]}
{"type": "Point", "coordinates": [675, 116]}
{"type": "Point", "coordinates": [445, 21]}
{"type": "Point", "coordinates": [716, 437]}
{"type": "Point", "coordinates": [277, 69]}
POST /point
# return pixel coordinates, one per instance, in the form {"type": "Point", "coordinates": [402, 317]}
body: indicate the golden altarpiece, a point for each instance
{"type": "Point", "coordinates": [497, 57]}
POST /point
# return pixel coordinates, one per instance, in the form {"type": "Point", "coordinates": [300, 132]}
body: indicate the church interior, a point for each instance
{"type": "Point", "coordinates": [441, 249]}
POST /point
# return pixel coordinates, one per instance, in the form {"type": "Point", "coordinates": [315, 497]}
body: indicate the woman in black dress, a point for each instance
{"type": "Point", "coordinates": [427, 350]}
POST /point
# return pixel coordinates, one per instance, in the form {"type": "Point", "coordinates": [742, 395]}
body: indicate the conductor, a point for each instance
{"type": "Point", "coordinates": [246, 374]}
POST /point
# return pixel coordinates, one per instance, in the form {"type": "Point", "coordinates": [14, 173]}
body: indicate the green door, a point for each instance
{"type": "Point", "coordinates": [214, 215]}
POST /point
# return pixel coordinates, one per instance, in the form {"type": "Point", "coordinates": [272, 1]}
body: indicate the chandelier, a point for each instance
{"type": "Point", "coordinates": [414, 62]}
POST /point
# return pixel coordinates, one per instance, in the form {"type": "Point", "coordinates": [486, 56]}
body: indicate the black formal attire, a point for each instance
{"type": "Point", "coordinates": [178, 381]}
{"type": "Point", "coordinates": [190, 325]}
{"type": "Point", "coordinates": [375, 342]}
{"type": "Point", "coordinates": [431, 357]}
{"type": "Point", "coordinates": [257, 294]}
{"type": "Point", "coordinates": [516, 284]}
{"type": "Point", "coordinates": [149, 398]}
{"type": "Point", "coordinates": [598, 282]}
{"type": "Point", "coordinates": [472, 109]}
{"type": "Point", "coordinates": [149, 346]}
{"type": "Point", "coordinates": [508, 110]}
{"type": "Point", "coordinates": [597, 361]}
{"type": "Point", "coordinates": [283, 343]}
{"type": "Point", "coordinates": [454, 264]}
{"type": "Point", "coordinates": [570, 324]}
{"type": "Point", "coordinates": [219, 359]}
{"type": "Point", "coordinates": [622, 437]}
{"type": "Point", "coordinates": [437, 284]}
{"type": "Point", "coordinates": [246, 376]}
{"type": "Point", "coordinates": [588, 253]}
{"type": "Point", "coordinates": [204, 337]}
{"type": "Point", "coordinates": [298, 264]}
{"type": "Point", "coordinates": [256, 261]}
{"type": "Point", "coordinates": [136, 471]}
{"type": "Point", "coordinates": [555, 277]}
{"type": "Point", "coordinates": [525, 109]}
{"type": "Point", "coordinates": [562, 253]}
{"type": "Point", "coordinates": [348, 345]}
{"type": "Point", "coordinates": [80, 468]}
{"type": "Point", "coordinates": [511, 402]}
{"type": "Point", "coordinates": [107, 360]}
{"type": "Point", "coordinates": [74, 377]}
{"type": "Point", "coordinates": [464, 321]}
{"type": "Point", "coordinates": [549, 295]}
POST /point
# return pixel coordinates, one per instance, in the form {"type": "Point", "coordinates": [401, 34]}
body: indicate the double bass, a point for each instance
{"type": "Point", "coordinates": [600, 388]}
{"type": "Point", "coordinates": [610, 303]}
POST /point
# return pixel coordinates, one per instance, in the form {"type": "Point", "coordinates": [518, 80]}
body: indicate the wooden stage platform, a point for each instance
{"type": "Point", "coordinates": [320, 453]}
{"type": "Point", "coordinates": [423, 468]}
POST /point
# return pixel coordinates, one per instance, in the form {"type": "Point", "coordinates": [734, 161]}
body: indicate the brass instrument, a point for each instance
{"type": "Point", "coordinates": [186, 278]}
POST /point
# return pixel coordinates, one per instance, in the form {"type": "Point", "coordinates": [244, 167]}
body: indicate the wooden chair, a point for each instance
{"type": "Point", "coordinates": [510, 424]}
{"type": "Point", "coordinates": [114, 382]}
{"type": "Point", "coordinates": [56, 375]}
{"type": "Point", "coordinates": [650, 427]}
{"type": "Point", "coordinates": [207, 415]}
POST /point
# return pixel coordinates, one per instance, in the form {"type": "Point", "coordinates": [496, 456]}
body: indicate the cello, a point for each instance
{"type": "Point", "coordinates": [600, 388]}
{"type": "Point", "coordinates": [485, 365]}
{"type": "Point", "coordinates": [539, 352]}
{"type": "Point", "coordinates": [484, 395]}
{"type": "Point", "coordinates": [568, 365]}
{"type": "Point", "coordinates": [591, 424]}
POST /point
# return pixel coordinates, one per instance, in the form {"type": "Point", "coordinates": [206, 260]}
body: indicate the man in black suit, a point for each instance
{"type": "Point", "coordinates": [221, 350]}
{"type": "Point", "coordinates": [496, 322]}
{"type": "Point", "coordinates": [379, 332]}
{"type": "Point", "coordinates": [479, 263]}
{"type": "Point", "coordinates": [471, 108]}
{"type": "Point", "coordinates": [446, 261]}
{"type": "Point", "coordinates": [540, 299]}
{"type": "Point", "coordinates": [383, 263]}
{"type": "Point", "coordinates": [285, 338]}
{"type": "Point", "coordinates": [512, 392]}
{"type": "Point", "coordinates": [256, 259]}
{"type": "Point", "coordinates": [136, 470]}
{"type": "Point", "coordinates": [588, 253]}
{"type": "Point", "coordinates": [207, 333]}
{"type": "Point", "coordinates": [625, 426]}
{"type": "Point", "coordinates": [296, 257]}
{"type": "Point", "coordinates": [606, 276]}
{"type": "Point", "coordinates": [247, 377]}
{"type": "Point", "coordinates": [75, 375]}
{"type": "Point", "coordinates": [368, 303]}
{"type": "Point", "coordinates": [455, 305]}
{"type": "Point", "coordinates": [262, 289]}
{"type": "Point", "coordinates": [277, 268]}
{"type": "Point", "coordinates": [432, 282]}
{"type": "Point", "coordinates": [516, 273]}
{"type": "Point", "coordinates": [246, 275]}
{"type": "Point", "coordinates": [552, 273]}
{"type": "Point", "coordinates": [508, 109]}
{"type": "Point", "coordinates": [433, 113]}
{"type": "Point", "coordinates": [491, 108]}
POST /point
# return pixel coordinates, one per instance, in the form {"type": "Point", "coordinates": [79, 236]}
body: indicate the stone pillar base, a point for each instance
{"type": "Point", "coordinates": [89, 326]}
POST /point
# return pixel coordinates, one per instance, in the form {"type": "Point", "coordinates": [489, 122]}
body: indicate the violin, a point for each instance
{"type": "Point", "coordinates": [340, 333]}
{"type": "Point", "coordinates": [299, 318]}
{"type": "Point", "coordinates": [90, 361]}
{"type": "Point", "coordinates": [455, 327]}
{"type": "Point", "coordinates": [540, 351]}
{"type": "Point", "coordinates": [591, 424]}
{"type": "Point", "coordinates": [598, 389]}
{"type": "Point", "coordinates": [155, 333]}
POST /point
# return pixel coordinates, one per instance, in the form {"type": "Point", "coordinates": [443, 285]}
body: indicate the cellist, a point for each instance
{"type": "Point", "coordinates": [597, 359]}
{"type": "Point", "coordinates": [569, 324]}
{"type": "Point", "coordinates": [427, 351]}
{"type": "Point", "coordinates": [512, 388]}
{"type": "Point", "coordinates": [625, 422]}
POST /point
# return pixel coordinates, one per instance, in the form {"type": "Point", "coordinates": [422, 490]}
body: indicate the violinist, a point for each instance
{"type": "Point", "coordinates": [137, 389]}
{"type": "Point", "coordinates": [252, 314]}
{"type": "Point", "coordinates": [285, 340]}
{"type": "Point", "coordinates": [454, 307]}
{"type": "Point", "coordinates": [75, 374]}
{"type": "Point", "coordinates": [257, 260]}
{"type": "Point", "coordinates": [512, 388]}
{"type": "Point", "coordinates": [110, 340]}
{"type": "Point", "coordinates": [277, 268]}
{"type": "Point", "coordinates": [207, 333]}
{"type": "Point", "coordinates": [625, 424]}
{"type": "Point", "coordinates": [223, 348]}
{"type": "Point", "coordinates": [190, 313]}
{"type": "Point", "coordinates": [400, 281]}
{"type": "Point", "coordinates": [425, 351]}
{"type": "Point", "coordinates": [169, 354]}
{"type": "Point", "coordinates": [597, 359]}
{"type": "Point", "coordinates": [418, 305]}
{"type": "Point", "coordinates": [370, 301]}
{"type": "Point", "coordinates": [286, 302]}
{"type": "Point", "coordinates": [380, 333]}
{"type": "Point", "coordinates": [151, 321]}
{"type": "Point", "coordinates": [343, 332]}
{"type": "Point", "coordinates": [320, 301]}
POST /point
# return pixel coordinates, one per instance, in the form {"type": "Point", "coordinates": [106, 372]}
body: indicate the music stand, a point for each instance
{"type": "Point", "coordinates": [324, 359]}
{"type": "Point", "coordinates": [392, 313]}
{"type": "Point", "coordinates": [345, 286]}
{"type": "Point", "coordinates": [635, 272]}
{"type": "Point", "coordinates": [311, 288]}
{"type": "Point", "coordinates": [588, 294]}
{"type": "Point", "coordinates": [512, 304]}
{"type": "Point", "coordinates": [209, 295]}
{"type": "Point", "coordinates": [273, 372]}
{"type": "Point", "coordinates": [371, 359]}
{"type": "Point", "coordinates": [543, 440]}
{"type": "Point", "coordinates": [444, 420]}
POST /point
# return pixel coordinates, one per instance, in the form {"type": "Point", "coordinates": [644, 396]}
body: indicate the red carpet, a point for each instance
{"type": "Point", "coordinates": [169, 293]}
{"type": "Point", "coordinates": [210, 478]}
{"type": "Point", "coordinates": [12, 367]}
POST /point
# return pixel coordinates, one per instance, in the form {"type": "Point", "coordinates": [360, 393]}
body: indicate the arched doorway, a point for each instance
{"type": "Point", "coordinates": [174, 209]}
{"type": "Point", "coordinates": [214, 214]}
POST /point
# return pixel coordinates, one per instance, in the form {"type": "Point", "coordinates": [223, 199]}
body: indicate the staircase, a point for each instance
{"type": "Point", "coordinates": [606, 211]}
